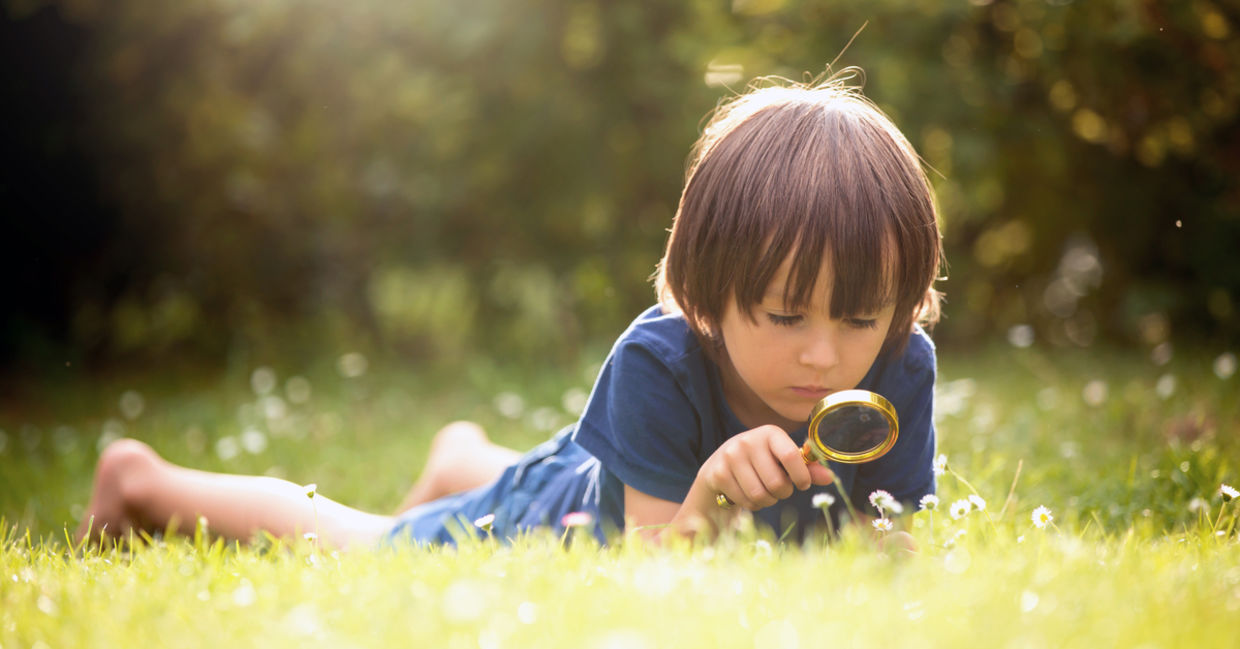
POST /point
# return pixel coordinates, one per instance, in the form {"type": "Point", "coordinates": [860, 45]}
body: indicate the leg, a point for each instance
{"type": "Point", "coordinates": [461, 458]}
{"type": "Point", "coordinates": [135, 489]}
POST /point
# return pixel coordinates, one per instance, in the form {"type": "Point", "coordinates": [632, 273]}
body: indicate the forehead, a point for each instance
{"type": "Point", "coordinates": [784, 288]}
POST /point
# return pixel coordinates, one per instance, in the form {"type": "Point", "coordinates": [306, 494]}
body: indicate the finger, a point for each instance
{"type": "Point", "coordinates": [751, 490]}
{"type": "Point", "coordinates": [819, 474]}
{"type": "Point", "coordinates": [720, 482]}
{"type": "Point", "coordinates": [773, 475]}
{"type": "Point", "coordinates": [788, 454]}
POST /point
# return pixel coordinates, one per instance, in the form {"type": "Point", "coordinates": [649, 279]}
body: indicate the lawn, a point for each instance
{"type": "Point", "coordinates": [1127, 452]}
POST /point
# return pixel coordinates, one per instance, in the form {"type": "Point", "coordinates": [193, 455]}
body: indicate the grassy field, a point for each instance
{"type": "Point", "coordinates": [1127, 454]}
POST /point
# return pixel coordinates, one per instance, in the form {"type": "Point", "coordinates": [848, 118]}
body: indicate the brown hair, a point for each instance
{"type": "Point", "coordinates": [812, 169]}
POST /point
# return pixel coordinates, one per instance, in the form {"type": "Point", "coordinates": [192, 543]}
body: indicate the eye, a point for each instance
{"type": "Point", "coordinates": [784, 320]}
{"type": "Point", "coordinates": [862, 323]}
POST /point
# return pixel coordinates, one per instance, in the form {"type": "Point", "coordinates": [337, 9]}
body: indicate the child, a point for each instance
{"type": "Point", "coordinates": [800, 262]}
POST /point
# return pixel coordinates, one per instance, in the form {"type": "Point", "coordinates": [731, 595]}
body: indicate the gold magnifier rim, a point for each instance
{"type": "Point", "coordinates": [845, 398]}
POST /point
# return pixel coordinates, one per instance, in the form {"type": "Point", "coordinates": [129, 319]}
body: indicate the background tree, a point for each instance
{"type": "Point", "coordinates": [496, 175]}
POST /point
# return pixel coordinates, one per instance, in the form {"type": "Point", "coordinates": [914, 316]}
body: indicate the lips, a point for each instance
{"type": "Point", "coordinates": [811, 391]}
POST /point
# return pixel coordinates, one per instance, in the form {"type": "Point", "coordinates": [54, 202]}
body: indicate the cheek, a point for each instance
{"type": "Point", "coordinates": [866, 345]}
{"type": "Point", "coordinates": [752, 348]}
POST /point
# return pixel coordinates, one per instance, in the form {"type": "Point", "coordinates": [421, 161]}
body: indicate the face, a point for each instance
{"type": "Point", "coordinates": [783, 362]}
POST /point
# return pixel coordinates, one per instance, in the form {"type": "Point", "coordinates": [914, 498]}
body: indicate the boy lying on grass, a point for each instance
{"type": "Point", "coordinates": [800, 263]}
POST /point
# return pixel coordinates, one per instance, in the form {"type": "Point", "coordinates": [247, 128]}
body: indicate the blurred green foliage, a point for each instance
{"type": "Point", "coordinates": [499, 175]}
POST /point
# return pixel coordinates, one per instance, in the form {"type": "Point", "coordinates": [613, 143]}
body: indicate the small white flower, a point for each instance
{"type": "Point", "coordinates": [311, 489]}
{"type": "Point", "coordinates": [940, 464]}
{"type": "Point", "coordinates": [762, 547]}
{"type": "Point", "coordinates": [883, 501]}
{"type": "Point", "coordinates": [484, 523]}
{"type": "Point", "coordinates": [823, 500]}
{"type": "Point", "coordinates": [310, 536]}
{"type": "Point", "coordinates": [577, 519]}
{"type": "Point", "coordinates": [1228, 492]}
{"type": "Point", "coordinates": [1042, 517]}
{"type": "Point", "coordinates": [929, 502]}
{"type": "Point", "coordinates": [960, 509]}
{"type": "Point", "coordinates": [882, 524]}
{"type": "Point", "coordinates": [978, 503]}
{"type": "Point", "coordinates": [1197, 504]}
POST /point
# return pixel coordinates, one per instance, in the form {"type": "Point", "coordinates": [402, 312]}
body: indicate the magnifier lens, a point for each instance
{"type": "Point", "coordinates": [853, 429]}
{"type": "Point", "coordinates": [852, 426]}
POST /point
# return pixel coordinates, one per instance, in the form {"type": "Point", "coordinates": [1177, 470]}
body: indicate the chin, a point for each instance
{"type": "Point", "coordinates": [799, 414]}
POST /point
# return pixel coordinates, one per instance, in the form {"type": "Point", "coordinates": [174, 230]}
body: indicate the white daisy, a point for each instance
{"type": "Point", "coordinates": [1228, 492]}
{"type": "Point", "coordinates": [1042, 517]}
{"type": "Point", "coordinates": [882, 524]}
{"type": "Point", "coordinates": [577, 519]}
{"type": "Point", "coordinates": [929, 502]}
{"type": "Point", "coordinates": [960, 509]}
{"type": "Point", "coordinates": [977, 502]}
{"type": "Point", "coordinates": [940, 464]}
{"type": "Point", "coordinates": [823, 500]}
{"type": "Point", "coordinates": [484, 523]}
{"type": "Point", "coordinates": [883, 501]}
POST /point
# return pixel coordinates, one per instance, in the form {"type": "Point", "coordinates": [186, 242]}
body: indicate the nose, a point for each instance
{"type": "Point", "coordinates": [821, 350]}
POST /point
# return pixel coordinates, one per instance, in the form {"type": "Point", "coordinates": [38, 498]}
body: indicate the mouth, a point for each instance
{"type": "Point", "coordinates": [814, 392]}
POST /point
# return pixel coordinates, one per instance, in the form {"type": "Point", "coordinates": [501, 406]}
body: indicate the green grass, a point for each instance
{"type": "Point", "coordinates": [1142, 552]}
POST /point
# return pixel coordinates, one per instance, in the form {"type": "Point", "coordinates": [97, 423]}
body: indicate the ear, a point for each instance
{"type": "Point", "coordinates": [711, 340]}
{"type": "Point", "coordinates": [713, 334]}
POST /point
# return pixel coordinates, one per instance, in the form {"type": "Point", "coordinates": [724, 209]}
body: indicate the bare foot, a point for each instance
{"type": "Point", "coordinates": [461, 457]}
{"type": "Point", "coordinates": [122, 466]}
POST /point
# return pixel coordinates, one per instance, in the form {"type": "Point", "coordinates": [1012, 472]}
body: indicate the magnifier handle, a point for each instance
{"type": "Point", "coordinates": [807, 453]}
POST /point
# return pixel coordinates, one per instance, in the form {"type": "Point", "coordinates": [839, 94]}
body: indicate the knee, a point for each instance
{"type": "Point", "coordinates": [126, 467]}
{"type": "Point", "coordinates": [459, 433]}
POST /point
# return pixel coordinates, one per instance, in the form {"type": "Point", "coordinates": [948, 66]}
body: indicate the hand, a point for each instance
{"type": "Point", "coordinates": [759, 468]}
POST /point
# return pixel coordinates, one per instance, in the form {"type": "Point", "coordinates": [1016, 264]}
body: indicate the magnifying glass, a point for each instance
{"type": "Point", "coordinates": [850, 426]}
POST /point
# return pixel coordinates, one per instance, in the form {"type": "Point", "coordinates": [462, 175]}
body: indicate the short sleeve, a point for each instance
{"type": "Point", "coordinates": [641, 424]}
{"type": "Point", "coordinates": [907, 470]}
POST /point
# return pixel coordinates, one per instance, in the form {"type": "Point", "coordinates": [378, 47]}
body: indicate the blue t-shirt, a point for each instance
{"type": "Point", "coordinates": [656, 413]}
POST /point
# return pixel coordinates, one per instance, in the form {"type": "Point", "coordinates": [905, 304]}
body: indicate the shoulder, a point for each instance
{"type": "Point", "coordinates": [657, 360]}
{"type": "Point", "coordinates": [919, 356]}
{"type": "Point", "coordinates": [910, 369]}
{"type": "Point", "coordinates": [662, 337]}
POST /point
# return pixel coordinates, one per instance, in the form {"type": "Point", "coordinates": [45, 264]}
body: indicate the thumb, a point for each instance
{"type": "Point", "coordinates": [820, 475]}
